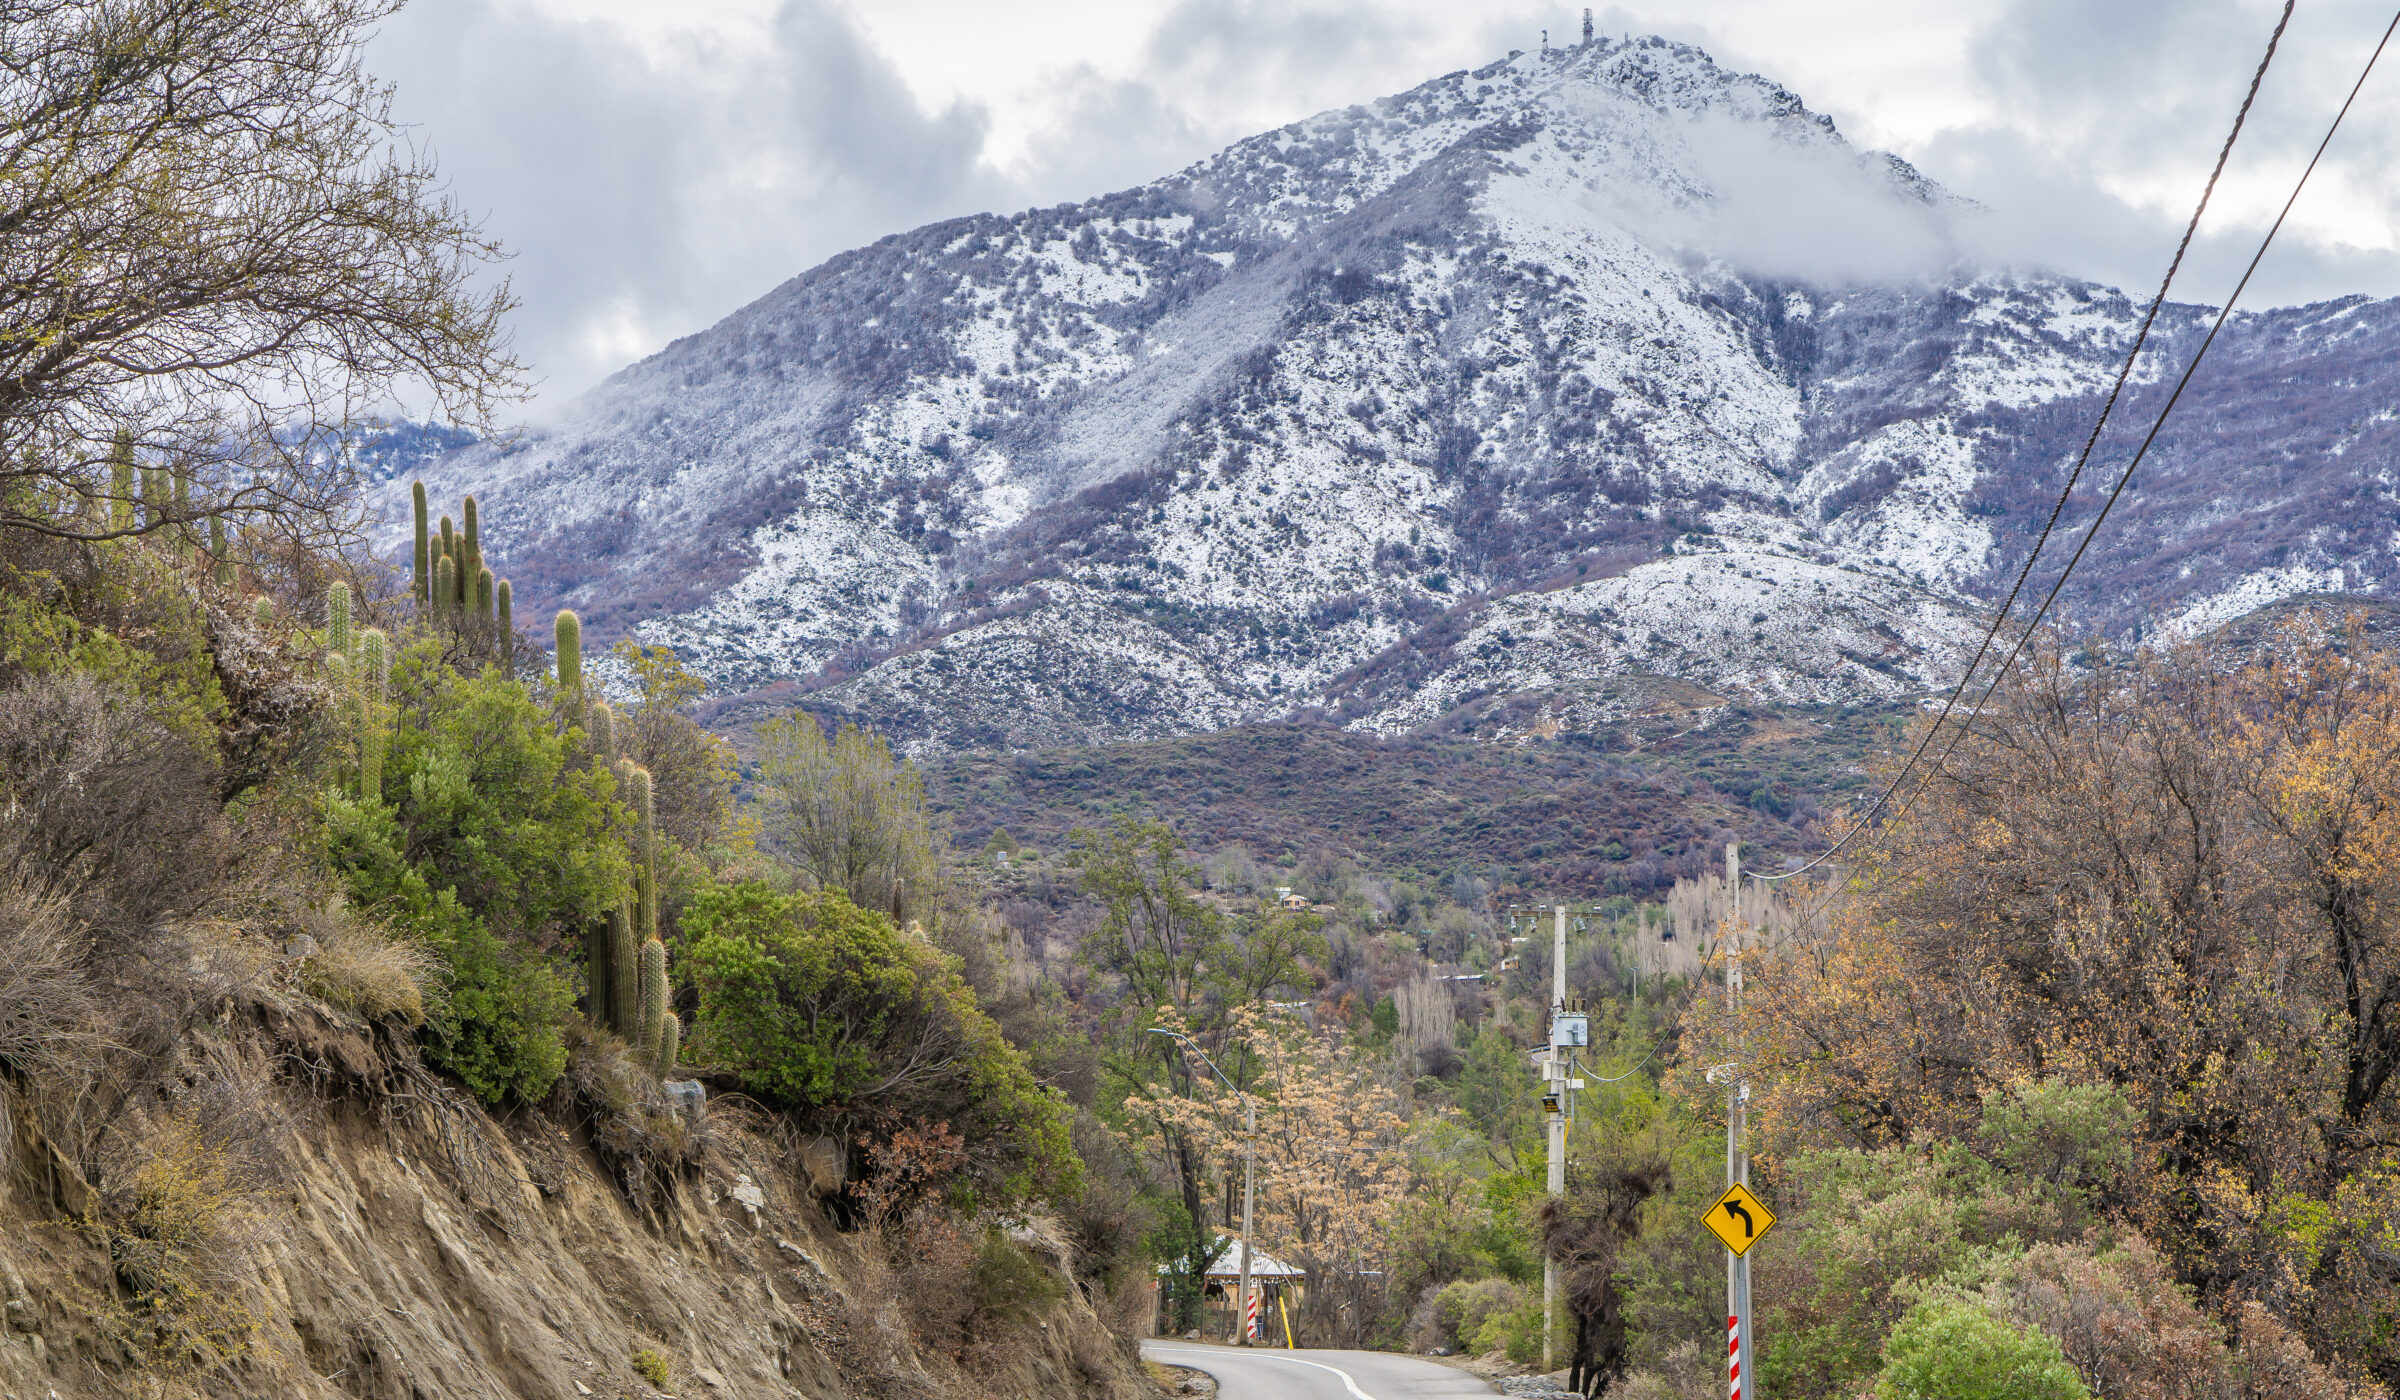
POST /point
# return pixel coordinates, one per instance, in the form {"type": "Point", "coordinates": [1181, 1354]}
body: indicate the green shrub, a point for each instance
{"type": "Point", "coordinates": [814, 1003]}
{"type": "Point", "coordinates": [1462, 1308]}
{"type": "Point", "coordinates": [652, 1366]}
{"type": "Point", "coordinates": [1517, 1331]}
{"type": "Point", "coordinates": [1950, 1350]}
{"type": "Point", "coordinates": [798, 993]}
{"type": "Point", "coordinates": [492, 845]}
{"type": "Point", "coordinates": [1010, 1286]}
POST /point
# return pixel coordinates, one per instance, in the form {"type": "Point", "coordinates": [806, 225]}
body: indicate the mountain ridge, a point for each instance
{"type": "Point", "coordinates": [1476, 391]}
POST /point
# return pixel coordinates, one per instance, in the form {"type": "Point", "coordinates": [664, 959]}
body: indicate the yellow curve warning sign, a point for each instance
{"type": "Point", "coordinates": [1740, 1219]}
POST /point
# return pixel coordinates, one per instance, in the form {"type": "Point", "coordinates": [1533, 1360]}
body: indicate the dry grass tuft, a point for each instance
{"type": "Point", "coordinates": [640, 1136]}
{"type": "Point", "coordinates": [364, 968]}
{"type": "Point", "coordinates": [47, 1006]}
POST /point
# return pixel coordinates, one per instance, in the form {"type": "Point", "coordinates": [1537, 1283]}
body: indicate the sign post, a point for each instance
{"type": "Point", "coordinates": [1737, 1157]}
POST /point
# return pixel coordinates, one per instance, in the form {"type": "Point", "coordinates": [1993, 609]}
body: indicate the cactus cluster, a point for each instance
{"type": "Point", "coordinates": [159, 499]}
{"type": "Point", "coordinates": [450, 582]}
{"type": "Point", "coordinates": [625, 960]}
{"type": "Point", "coordinates": [360, 663]}
{"type": "Point", "coordinates": [628, 965]}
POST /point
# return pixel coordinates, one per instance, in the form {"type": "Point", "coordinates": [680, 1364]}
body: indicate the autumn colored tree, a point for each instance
{"type": "Point", "coordinates": [1332, 1163]}
{"type": "Point", "coordinates": [2176, 873]}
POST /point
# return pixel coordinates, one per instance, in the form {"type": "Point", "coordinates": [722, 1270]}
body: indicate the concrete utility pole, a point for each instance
{"type": "Point", "coordinates": [1737, 1157]}
{"type": "Point", "coordinates": [1556, 1076]}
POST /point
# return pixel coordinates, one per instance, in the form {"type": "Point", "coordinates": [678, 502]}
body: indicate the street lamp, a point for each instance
{"type": "Point", "coordinates": [1241, 1334]}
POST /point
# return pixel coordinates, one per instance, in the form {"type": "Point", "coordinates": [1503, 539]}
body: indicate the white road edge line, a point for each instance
{"type": "Point", "coordinates": [1291, 1360]}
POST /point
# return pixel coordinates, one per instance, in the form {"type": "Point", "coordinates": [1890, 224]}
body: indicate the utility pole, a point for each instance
{"type": "Point", "coordinates": [1737, 1157]}
{"type": "Point", "coordinates": [1570, 1031]}
{"type": "Point", "coordinates": [1556, 1073]}
{"type": "Point", "coordinates": [1241, 1310]}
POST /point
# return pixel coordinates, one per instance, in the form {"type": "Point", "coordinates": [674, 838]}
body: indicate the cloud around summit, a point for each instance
{"type": "Point", "coordinates": [650, 181]}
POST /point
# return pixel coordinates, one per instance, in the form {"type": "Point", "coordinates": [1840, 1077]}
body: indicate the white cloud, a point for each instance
{"type": "Point", "coordinates": [655, 166]}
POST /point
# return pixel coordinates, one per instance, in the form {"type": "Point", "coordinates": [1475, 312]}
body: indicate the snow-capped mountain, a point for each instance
{"type": "Point", "coordinates": [1594, 363]}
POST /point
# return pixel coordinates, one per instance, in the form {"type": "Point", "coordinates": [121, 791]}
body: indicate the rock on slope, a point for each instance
{"type": "Point", "coordinates": [1595, 362]}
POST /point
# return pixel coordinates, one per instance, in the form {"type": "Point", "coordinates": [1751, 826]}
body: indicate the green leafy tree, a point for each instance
{"type": "Point", "coordinates": [823, 1007]}
{"type": "Point", "coordinates": [1155, 931]}
{"type": "Point", "coordinates": [1174, 949]}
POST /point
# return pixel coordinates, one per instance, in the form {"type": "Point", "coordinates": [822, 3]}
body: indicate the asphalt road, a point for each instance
{"type": "Point", "coordinates": [1271, 1373]}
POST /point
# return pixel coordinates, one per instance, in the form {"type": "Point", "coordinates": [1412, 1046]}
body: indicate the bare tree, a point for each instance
{"type": "Point", "coordinates": [848, 814]}
{"type": "Point", "coordinates": [217, 249]}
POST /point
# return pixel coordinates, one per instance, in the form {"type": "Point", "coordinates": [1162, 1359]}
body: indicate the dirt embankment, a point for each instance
{"type": "Point", "coordinates": [404, 1245]}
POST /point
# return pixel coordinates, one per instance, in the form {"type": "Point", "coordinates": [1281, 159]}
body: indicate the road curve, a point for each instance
{"type": "Point", "coordinates": [1272, 1373]}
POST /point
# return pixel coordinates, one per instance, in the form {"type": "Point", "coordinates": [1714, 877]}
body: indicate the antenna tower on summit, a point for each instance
{"type": "Point", "coordinates": [1587, 24]}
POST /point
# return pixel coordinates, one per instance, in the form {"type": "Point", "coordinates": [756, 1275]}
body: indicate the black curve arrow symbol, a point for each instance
{"type": "Point", "coordinates": [1734, 1208]}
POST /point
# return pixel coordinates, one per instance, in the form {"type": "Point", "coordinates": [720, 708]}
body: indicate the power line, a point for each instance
{"type": "Point", "coordinates": [2161, 421]}
{"type": "Point", "coordinates": [2116, 391]}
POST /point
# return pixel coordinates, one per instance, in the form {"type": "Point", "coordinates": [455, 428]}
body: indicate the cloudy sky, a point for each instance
{"type": "Point", "coordinates": [654, 166]}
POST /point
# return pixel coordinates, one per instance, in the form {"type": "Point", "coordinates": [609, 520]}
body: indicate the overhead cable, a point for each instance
{"type": "Point", "coordinates": [2161, 422]}
{"type": "Point", "coordinates": [2124, 373]}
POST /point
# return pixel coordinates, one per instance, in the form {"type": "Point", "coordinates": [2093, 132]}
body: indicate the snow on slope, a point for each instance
{"type": "Point", "coordinates": [1597, 362]}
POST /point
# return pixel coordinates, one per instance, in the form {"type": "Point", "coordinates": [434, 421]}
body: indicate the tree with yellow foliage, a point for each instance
{"type": "Point", "coordinates": [1332, 1164]}
{"type": "Point", "coordinates": [2174, 873]}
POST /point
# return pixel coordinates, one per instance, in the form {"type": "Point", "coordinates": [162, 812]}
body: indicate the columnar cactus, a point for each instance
{"type": "Point", "coordinates": [483, 594]}
{"type": "Point", "coordinates": [449, 538]}
{"type": "Point", "coordinates": [508, 621]}
{"type": "Point", "coordinates": [421, 582]}
{"type": "Point", "coordinates": [120, 482]}
{"type": "Point", "coordinates": [374, 662]}
{"type": "Point", "coordinates": [600, 967]}
{"type": "Point", "coordinates": [569, 632]}
{"type": "Point", "coordinates": [216, 551]}
{"type": "Point", "coordinates": [337, 618]}
{"type": "Point", "coordinates": [445, 584]}
{"type": "Point", "coordinates": [654, 1001]}
{"type": "Point", "coordinates": [645, 849]}
{"type": "Point", "coordinates": [182, 491]}
{"type": "Point", "coordinates": [604, 731]}
{"type": "Point", "coordinates": [670, 1043]}
{"type": "Point", "coordinates": [474, 537]}
{"type": "Point", "coordinates": [263, 610]}
{"type": "Point", "coordinates": [624, 971]}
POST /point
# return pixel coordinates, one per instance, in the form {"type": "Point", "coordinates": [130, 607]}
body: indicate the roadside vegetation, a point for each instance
{"type": "Point", "coordinates": [2077, 1081]}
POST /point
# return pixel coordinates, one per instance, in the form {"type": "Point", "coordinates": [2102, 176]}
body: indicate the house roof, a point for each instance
{"type": "Point", "coordinates": [1229, 1265]}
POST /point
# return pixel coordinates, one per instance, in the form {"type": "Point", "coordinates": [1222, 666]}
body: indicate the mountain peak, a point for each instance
{"type": "Point", "coordinates": [1590, 364]}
